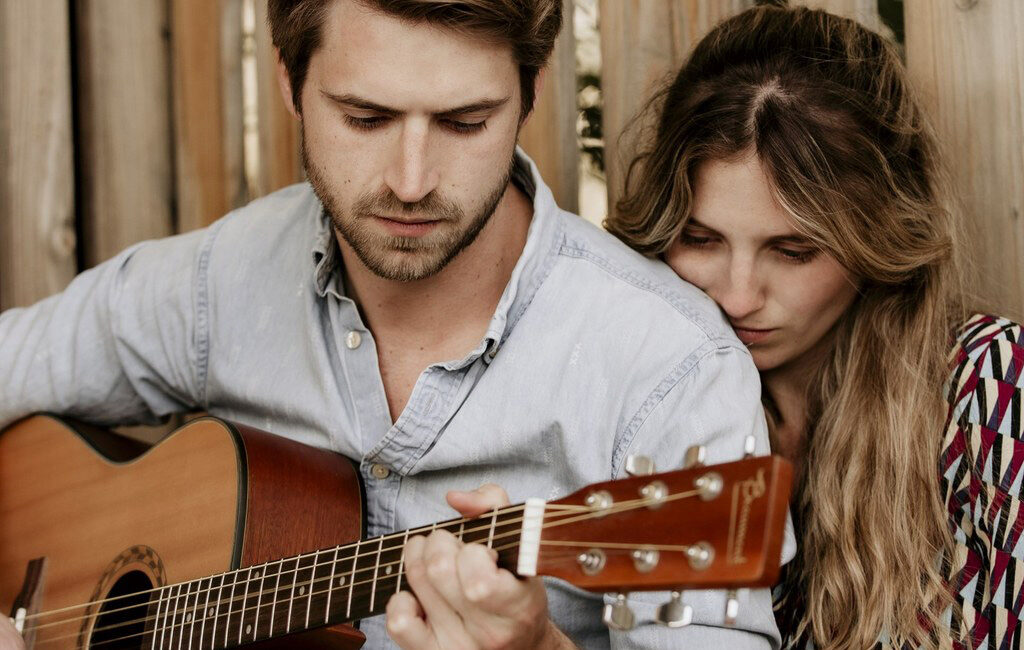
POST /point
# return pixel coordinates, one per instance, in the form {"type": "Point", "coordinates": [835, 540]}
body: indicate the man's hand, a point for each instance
{"type": "Point", "coordinates": [9, 637]}
{"type": "Point", "coordinates": [463, 601]}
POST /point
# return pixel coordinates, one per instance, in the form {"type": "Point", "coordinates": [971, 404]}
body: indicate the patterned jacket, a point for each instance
{"type": "Point", "coordinates": [980, 471]}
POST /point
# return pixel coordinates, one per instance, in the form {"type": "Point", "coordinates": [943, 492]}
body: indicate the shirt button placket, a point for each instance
{"type": "Point", "coordinates": [380, 471]}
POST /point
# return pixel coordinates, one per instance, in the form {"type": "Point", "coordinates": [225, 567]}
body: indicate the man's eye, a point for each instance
{"type": "Point", "coordinates": [366, 123]}
{"type": "Point", "coordinates": [464, 127]}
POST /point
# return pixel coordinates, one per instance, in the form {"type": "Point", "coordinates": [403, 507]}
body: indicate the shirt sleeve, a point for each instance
{"type": "Point", "coordinates": [122, 344]}
{"type": "Point", "coordinates": [714, 400]}
{"type": "Point", "coordinates": [980, 466]}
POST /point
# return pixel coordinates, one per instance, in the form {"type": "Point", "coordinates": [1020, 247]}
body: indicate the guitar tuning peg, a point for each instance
{"type": "Point", "coordinates": [694, 456]}
{"type": "Point", "coordinates": [732, 607]}
{"type": "Point", "coordinates": [749, 445]}
{"type": "Point", "coordinates": [639, 465]}
{"type": "Point", "coordinates": [674, 613]}
{"type": "Point", "coordinates": [618, 615]}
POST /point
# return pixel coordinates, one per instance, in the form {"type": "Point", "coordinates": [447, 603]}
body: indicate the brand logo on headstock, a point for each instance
{"type": "Point", "coordinates": [743, 495]}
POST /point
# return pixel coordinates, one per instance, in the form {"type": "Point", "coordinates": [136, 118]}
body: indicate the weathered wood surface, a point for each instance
{"type": "Point", "coordinates": [207, 76]}
{"type": "Point", "coordinates": [37, 235]}
{"type": "Point", "coordinates": [123, 106]}
{"type": "Point", "coordinates": [550, 135]}
{"type": "Point", "coordinates": [642, 43]}
{"type": "Point", "coordinates": [279, 160]}
{"type": "Point", "coordinates": [967, 60]}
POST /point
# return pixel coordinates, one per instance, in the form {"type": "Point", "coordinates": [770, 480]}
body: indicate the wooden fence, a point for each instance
{"type": "Point", "coordinates": [122, 120]}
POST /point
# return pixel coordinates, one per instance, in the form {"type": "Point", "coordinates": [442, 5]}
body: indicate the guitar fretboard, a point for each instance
{"type": "Point", "coordinates": [326, 587]}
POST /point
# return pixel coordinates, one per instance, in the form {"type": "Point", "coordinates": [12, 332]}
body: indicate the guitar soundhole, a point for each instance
{"type": "Point", "coordinates": [121, 624]}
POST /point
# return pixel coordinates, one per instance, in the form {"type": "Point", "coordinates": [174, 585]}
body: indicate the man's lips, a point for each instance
{"type": "Point", "coordinates": [407, 227]}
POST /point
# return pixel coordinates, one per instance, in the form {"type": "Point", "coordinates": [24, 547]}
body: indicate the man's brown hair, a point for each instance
{"type": "Point", "coordinates": [529, 27]}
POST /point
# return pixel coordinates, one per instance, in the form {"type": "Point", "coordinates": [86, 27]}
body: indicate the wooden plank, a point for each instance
{"type": "Point", "coordinates": [550, 135]}
{"type": "Point", "coordinates": [967, 61]}
{"type": "Point", "coordinates": [863, 11]}
{"type": "Point", "coordinates": [37, 236]}
{"type": "Point", "coordinates": [231, 53]}
{"type": "Point", "coordinates": [279, 158]}
{"type": "Point", "coordinates": [642, 43]}
{"type": "Point", "coordinates": [199, 98]}
{"type": "Point", "coordinates": [124, 113]}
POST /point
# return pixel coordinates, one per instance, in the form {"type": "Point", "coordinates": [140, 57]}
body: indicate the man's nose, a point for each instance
{"type": "Point", "coordinates": [742, 291]}
{"type": "Point", "coordinates": [410, 173]}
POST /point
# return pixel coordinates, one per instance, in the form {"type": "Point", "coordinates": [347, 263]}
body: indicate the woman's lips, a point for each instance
{"type": "Point", "coordinates": [752, 336]}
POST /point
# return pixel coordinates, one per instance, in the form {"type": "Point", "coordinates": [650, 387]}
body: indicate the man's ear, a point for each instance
{"type": "Point", "coordinates": [284, 83]}
{"type": "Point", "coordinates": [538, 87]}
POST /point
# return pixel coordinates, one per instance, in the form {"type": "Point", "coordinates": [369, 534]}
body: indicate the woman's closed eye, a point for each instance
{"type": "Point", "coordinates": [796, 255]}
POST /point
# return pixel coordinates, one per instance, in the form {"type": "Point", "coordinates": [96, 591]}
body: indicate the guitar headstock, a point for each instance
{"type": "Point", "coordinates": [703, 527]}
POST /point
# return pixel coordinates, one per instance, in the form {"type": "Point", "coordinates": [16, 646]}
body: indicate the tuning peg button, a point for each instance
{"type": "Point", "coordinates": [732, 607]}
{"type": "Point", "coordinates": [749, 445]}
{"type": "Point", "coordinates": [674, 613]}
{"type": "Point", "coordinates": [694, 456]}
{"type": "Point", "coordinates": [618, 615]}
{"type": "Point", "coordinates": [639, 465]}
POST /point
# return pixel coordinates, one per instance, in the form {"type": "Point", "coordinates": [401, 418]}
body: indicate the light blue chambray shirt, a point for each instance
{"type": "Point", "coordinates": [593, 353]}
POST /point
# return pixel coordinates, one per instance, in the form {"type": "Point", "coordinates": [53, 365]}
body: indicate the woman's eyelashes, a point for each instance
{"type": "Point", "coordinates": [704, 239]}
{"type": "Point", "coordinates": [376, 121]}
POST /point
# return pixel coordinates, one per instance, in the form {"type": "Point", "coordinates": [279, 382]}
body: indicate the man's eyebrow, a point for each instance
{"type": "Point", "coordinates": [361, 103]}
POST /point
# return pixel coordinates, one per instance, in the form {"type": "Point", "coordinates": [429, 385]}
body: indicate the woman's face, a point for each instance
{"type": "Point", "coordinates": [781, 294]}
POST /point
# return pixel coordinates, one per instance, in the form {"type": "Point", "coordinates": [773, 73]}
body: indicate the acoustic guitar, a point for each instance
{"type": "Point", "coordinates": [222, 536]}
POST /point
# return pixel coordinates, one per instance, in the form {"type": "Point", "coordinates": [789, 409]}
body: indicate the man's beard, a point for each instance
{"type": "Point", "coordinates": [404, 258]}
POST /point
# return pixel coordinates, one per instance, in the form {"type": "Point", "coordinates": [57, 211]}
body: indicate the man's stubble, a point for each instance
{"type": "Point", "coordinates": [403, 258]}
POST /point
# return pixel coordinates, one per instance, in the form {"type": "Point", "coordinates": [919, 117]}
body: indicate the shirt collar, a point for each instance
{"type": "Point", "coordinates": [542, 241]}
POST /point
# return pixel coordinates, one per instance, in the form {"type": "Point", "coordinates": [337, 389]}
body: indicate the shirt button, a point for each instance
{"type": "Point", "coordinates": [353, 339]}
{"type": "Point", "coordinates": [380, 471]}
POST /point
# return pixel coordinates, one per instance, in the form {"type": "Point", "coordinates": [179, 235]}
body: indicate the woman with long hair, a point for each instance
{"type": "Point", "coordinates": [793, 177]}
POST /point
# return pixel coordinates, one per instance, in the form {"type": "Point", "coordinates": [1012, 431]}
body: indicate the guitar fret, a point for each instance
{"type": "Point", "coordinates": [192, 609]}
{"type": "Point", "coordinates": [277, 590]}
{"type": "Point", "coordinates": [401, 562]}
{"type": "Point", "coordinates": [216, 613]}
{"type": "Point", "coordinates": [183, 621]}
{"type": "Point", "coordinates": [490, 536]}
{"type": "Point", "coordinates": [312, 586]}
{"type": "Point", "coordinates": [241, 613]}
{"type": "Point", "coordinates": [259, 603]}
{"type": "Point", "coordinates": [376, 569]}
{"type": "Point", "coordinates": [209, 614]}
{"type": "Point", "coordinates": [156, 619]}
{"type": "Point", "coordinates": [174, 617]}
{"type": "Point", "coordinates": [330, 585]}
{"type": "Point", "coordinates": [231, 605]}
{"type": "Point", "coordinates": [352, 580]}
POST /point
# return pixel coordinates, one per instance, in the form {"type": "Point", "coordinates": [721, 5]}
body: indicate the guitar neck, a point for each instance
{"type": "Point", "coordinates": [326, 587]}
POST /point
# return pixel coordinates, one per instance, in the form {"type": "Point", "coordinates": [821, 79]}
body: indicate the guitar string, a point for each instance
{"type": "Point", "coordinates": [183, 623]}
{"type": "Point", "coordinates": [313, 567]}
{"type": "Point", "coordinates": [301, 556]}
{"type": "Point", "coordinates": [624, 506]}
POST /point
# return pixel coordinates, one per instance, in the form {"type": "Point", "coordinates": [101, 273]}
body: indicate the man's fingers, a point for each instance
{"type": "Point", "coordinates": [486, 587]}
{"type": "Point", "coordinates": [405, 622]}
{"type": "Point", "coordinates": [483, 499]}
{"type": "Point", "coordinates": [439, 613]}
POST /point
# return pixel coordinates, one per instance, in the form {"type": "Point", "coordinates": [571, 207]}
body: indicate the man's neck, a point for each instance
{"type": "Point", "coordinates": [456, 304]}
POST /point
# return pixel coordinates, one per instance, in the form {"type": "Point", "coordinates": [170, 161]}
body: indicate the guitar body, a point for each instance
{"type": "Point", "coordinates": [113, 516]}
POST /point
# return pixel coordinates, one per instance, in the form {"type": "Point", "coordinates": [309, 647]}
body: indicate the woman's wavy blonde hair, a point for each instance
{"type": "Point", "coordinates": [824, 103]}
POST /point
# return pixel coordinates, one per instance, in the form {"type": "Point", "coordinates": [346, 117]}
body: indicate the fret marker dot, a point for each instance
{"type": "Point", "coordinates": [209, 612]}
{"type": "Point", "coordinates": [302, 590]}
{"type": "Point", "coordinates": [188, 616]}
{"type": "Point", "coordinates": [248, 629]}
{"type": "Point", "coordinates": [256, 575]}
{"type": "Point", "coordinates": [387, 570]}
{"type": "Point", "coordinates": [341, 581]}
